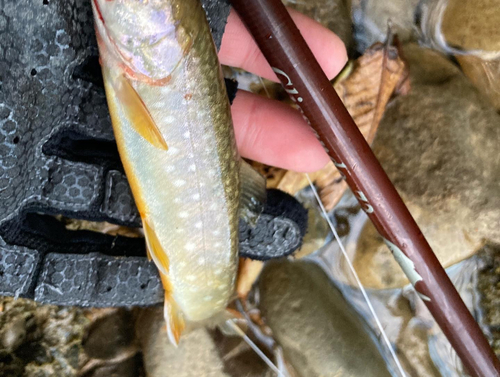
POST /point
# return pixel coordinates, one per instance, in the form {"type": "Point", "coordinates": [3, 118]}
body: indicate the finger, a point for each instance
{"type": "Point", "coordinates": [275, 134]}
{"type": "Point", "coordinates": [238, 49]}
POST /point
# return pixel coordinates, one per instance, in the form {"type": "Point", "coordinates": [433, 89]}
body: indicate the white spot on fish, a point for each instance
{"type": "Point", "coordinates": [183, 214]}
{"type": "Point", "coordinates": [219, 302]}
{"type": "Point", "coordinates": [217, 244]}
{"type": "Point", "coordinates": [177, 200]}
{"type": "Point", "coordinates": [218, 271]}
{"type": "Point", "coordinates": [192, 167]}
{"type": "Point", "coordinates": [222, 287]}
{"type": "Point", "coordinates": [196, 196]}
{"type": "Point", "coordinates": [179, 183]}
{"type": "Point", "coordinates": [173, 150]}
{"type": "Point", "coordinates": [186, 134]}
{"type": "Point", "coordinates": [169, 168]}
{"type": "Point", "coordinates": [194, 289]}
{"type": "Point", "coordinates": [207, 298]}
{"type": "Point", "coordinates": [190, 278]}
{"type": "Point", "coordinates": [169, 119]}
{"type": "Point", "coordinates": [190, 246]}
{"type": "Point", "coordinates": [198, 225]}
{"type": "Point", "coordinates": [216, 232]}
{"type": "Point", "coordinates": [201, 260]}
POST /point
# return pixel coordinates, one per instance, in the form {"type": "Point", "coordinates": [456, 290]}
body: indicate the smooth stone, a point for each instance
{"type": "Point", "coordinates": [439, 146]}
{"type": "Point", "coordinates": [371, 20]}
{"type": "Point", "coordinates": [202, 352]}
{"type": "Point", "coordinates": [110, 335]}
{"type": "Point", "coordinates": [320, 333]}
{"type": "Point", "coordinates": [472, 24]}
{"type": "Point", "coordinates": [195, 355]}
{"type": "Point", "coordinates": [484, 74]}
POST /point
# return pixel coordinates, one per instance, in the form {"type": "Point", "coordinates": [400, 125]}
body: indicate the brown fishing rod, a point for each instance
{"type": "Point", "coordinates": [302, 77]}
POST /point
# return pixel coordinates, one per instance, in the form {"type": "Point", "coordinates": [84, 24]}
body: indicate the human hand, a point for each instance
{"type": "Point", "coordinates": [267, 130]}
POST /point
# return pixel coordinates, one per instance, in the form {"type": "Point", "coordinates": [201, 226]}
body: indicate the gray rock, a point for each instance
{"type": "Point", "coordinates": [439, 146]}
{"type": "Point", "coordinates": [320, 333]}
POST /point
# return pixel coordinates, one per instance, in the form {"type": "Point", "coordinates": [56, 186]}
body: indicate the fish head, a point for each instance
{"type": "Point", "coordinates": [143, 36]}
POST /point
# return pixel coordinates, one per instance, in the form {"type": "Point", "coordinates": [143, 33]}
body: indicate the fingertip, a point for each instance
{"type": "Point", "coordinates": [327, 47]}
{"type": "Point", "coordinates": [238, 49]}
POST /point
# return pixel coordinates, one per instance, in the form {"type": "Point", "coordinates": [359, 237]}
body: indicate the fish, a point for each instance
{"type": "Point", "coordinates": [172, 123]}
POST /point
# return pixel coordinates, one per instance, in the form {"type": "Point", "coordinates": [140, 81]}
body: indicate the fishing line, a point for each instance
{"type": "Point", "coordinates": [254, 346]}
{"type": "Point", "coordinates": [353, 271]}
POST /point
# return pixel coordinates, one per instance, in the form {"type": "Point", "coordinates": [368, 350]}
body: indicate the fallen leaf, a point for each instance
{"type": "Point", "coordinates": [248, 272]}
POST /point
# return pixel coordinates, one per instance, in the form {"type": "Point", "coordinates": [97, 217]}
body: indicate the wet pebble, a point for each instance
{"type": "Point", "coordinates": [13, 334]}
{"type": "Point", "coordinates": [320, 333]}
{"type": "Point", "coordinates": [110, 335]}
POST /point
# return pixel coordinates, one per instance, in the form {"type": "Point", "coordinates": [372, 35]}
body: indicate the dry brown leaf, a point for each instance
{"type": "Point", "coordinates": [365, 89]}
{"type": "Point", "coordinates": [248, 272]}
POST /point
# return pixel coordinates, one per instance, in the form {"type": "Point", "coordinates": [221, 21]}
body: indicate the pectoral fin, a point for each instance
{"type": "Point", "coordinates": [174, 319]}
{"type": "Point", "coordinates": [137, 112]}
{"type": "Point", "coordinates": [154, 248]}
{"type": "Point", "coordinates": [253, 193]}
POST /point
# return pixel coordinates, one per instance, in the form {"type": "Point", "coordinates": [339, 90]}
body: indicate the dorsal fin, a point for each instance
{"type": "Point", "coordinates": [138, 113]}
{"type": "Point", "coordinates": [253, 193]}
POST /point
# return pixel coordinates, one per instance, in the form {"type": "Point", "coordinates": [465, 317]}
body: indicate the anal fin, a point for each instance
{"type": "Point", "coordinates": [138, 113]}
{"type": "Point", "coordinates": [253, 193]}
{"type": "Point", "coordinates": [174, 319]}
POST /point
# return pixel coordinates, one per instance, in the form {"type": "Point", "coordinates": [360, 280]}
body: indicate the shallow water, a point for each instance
{"type": "Point", "coordinates": [420, 345]}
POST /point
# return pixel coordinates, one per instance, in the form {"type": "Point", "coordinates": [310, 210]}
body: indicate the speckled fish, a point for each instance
{"type": "Point", "coordinates": [172, 123]}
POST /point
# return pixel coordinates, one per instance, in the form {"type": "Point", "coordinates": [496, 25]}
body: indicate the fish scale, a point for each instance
{"type": "Point", "coordinates": [189, 193]}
